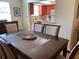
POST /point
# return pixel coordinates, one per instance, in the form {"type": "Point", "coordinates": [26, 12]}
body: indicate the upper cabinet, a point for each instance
{"type": "Point", "coordinates": [42, 10]}
{"type": "Point", "coordinates": [46, 9]}
{"type": "Point", "coordinates": [31, 8]}
{"type": "Point", "coordinates": [41, 7]}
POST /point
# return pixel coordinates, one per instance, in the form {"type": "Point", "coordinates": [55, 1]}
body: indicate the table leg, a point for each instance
{"type": "Point", "coordinates": [65, 51]}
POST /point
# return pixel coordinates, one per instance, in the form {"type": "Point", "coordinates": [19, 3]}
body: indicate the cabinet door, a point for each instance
{"type": "Point", "coordinates": [43, 10]}
{"type": "Point", "coordinates": [31, 8]}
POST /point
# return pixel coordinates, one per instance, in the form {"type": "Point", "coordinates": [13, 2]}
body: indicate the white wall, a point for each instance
{"type": "Point", "coordinates": [25, 10]}
{"type": "Point", "coordinates": [15, 3]}
{"type": "Point", "coordinates": [64, 17]}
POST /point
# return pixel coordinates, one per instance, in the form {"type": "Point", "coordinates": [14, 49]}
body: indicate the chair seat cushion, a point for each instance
{"type": "Point", "coordinates": [60, 57]}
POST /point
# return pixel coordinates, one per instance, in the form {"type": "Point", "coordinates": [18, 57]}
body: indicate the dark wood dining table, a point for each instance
{"type": "Point", "coordinates": [43, 47]}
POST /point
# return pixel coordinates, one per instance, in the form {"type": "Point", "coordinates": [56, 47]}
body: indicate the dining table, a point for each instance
{"type": "Point", "coordinates": [44, 46]}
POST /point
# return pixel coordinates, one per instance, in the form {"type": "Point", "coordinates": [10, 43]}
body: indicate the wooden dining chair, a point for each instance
{"type": "Point", "coordinates": [6, 51]}
{"type": "Point", "coordinates": [12, 27]}
{"type": "Point", "coordinates": [38, 27]}
{"type": "Point", "coordinates": [74, 54]}
{"type": "Point", "coordinates": [52, 30]}
{"type": "Point", "coordinates": [2, 28]}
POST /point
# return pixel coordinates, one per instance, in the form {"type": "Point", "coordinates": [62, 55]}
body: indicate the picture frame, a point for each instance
{"type": "Point", "coordinates": [16, 11]}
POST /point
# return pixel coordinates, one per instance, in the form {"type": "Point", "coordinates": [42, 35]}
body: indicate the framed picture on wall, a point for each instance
{"type": "Point", "coordinates": [16, 11]}
{"type": "Point", "coordinates": [78, 12]}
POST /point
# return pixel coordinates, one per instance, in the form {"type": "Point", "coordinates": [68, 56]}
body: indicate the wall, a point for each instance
{"type": "Point", "coordinates": [15, 3]}
{"type": "Point", "coordinates": [26, 17]}
{"type": "Point", "coordinates": [65, 16]}
{"type": "Point", "coordinates": [75, 26]}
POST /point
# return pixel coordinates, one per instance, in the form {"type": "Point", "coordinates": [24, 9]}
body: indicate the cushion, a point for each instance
{"type": "Point", "coordinates": [60, 57]}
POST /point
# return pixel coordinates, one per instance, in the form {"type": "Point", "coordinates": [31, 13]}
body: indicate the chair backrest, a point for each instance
{"type": "Point", "coordinates": [52, 29]}
{"type": "Point", "coordinates": [74, 53]}
{"type": "Point", "coordinates": [38, 27]}
{"type": "Point", "coordinates": [2, 28]}
{"type": "Point", "coordinates": [6, 51]}
{"type": "Point", "coordinates": [12, 27]}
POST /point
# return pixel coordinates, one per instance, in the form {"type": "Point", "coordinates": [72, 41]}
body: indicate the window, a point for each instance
{"type": "Point", "coordinates": [5, 11]}
{"type": "Point", "coordinates": [36, 10]}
